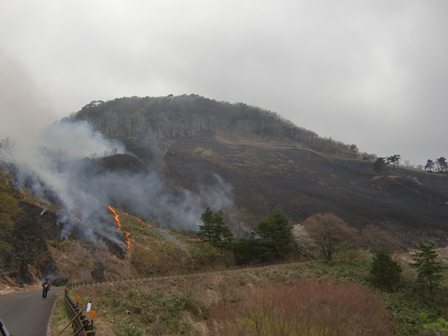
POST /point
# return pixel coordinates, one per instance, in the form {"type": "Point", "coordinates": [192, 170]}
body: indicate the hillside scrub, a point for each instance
{"type": "Point", "coordinates": [184, 305]}
{"type": "Point", "coordinates": [179, 305]}
{"type": "Point", "coordinates": [304, 308]}
{"type": "Point", "coordinates": [223, 302]}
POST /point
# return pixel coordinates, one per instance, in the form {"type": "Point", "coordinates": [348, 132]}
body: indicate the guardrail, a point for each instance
{"type": "Point", "coordinates": [82, 326]}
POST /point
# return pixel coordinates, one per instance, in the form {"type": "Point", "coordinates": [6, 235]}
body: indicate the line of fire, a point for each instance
{"type": "Point", "coordinates": [127, 238]}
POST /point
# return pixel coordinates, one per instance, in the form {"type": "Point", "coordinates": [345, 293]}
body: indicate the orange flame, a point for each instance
{"type": "Point", "coordinates": [116, 217]}
{"type": "Point", "coordinates": [127, 238]}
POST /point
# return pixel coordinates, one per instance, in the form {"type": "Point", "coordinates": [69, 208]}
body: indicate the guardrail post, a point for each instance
{"type": "Point", "coordinates": [81, 325]}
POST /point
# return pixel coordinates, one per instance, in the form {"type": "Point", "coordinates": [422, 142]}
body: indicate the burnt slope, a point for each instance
{"type": "Point", "coordinates": [271, 162]}
{"type": "Point", "coordinates": [30, 258]}
{"type": "Point", "coordinates": [303, 183]}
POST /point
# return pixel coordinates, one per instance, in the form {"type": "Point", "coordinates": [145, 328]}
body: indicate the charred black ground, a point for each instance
{"type": "Point", "coordinates": [271, 163]}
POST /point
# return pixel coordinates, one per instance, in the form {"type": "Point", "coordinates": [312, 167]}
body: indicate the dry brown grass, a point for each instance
{"type": "Point", "coordinates": [58, 319]}
{"type": "Point", "coordinates": [304, 308]}
{"type": "Point", "coordinates": [221, 303]}
{"type": "Point", "coordinates": [154, 251]}
{"type": "Point", "coordinates": [76, 261]}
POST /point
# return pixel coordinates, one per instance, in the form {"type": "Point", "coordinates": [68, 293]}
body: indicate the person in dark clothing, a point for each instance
{"type": "Point", "coordinates": [45, 289]}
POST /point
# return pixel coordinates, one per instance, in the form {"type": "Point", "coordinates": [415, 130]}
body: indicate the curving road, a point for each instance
{"type": "Point", "coordinates": [27, 314]}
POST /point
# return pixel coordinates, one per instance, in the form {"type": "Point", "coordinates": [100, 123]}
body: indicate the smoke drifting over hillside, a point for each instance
{"type": "Point", "coordinates": [24, 107]}
{"type": "Point", "coordinates": [64, 164]}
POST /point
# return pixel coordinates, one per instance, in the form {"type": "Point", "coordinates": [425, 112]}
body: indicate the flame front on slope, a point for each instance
{"type": "Point", "coordinates": [127, 238]}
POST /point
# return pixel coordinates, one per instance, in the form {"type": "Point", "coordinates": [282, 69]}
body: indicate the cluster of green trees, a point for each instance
{"type": "Point", "coordinates": [440, 165]}
{"type": "Point", "coordinates": [214, 229]}
{"type": "Point", "coordinates": [272, 239]}
{"type": "Point", "coordinates": [386, 273]}
{"type": "Point", "coordinates": [381, 162]}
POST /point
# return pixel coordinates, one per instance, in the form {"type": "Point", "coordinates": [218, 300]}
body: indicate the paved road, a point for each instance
{"type": "Point", "coordinates": [27, 314]}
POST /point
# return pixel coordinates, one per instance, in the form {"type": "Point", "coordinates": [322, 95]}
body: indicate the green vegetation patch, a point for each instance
{"type": "Point", "coordinates": [59, 318]}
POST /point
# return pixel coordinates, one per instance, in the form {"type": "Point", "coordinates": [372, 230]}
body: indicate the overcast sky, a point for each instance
{"type": "Point", "coordinates": [373, 73]}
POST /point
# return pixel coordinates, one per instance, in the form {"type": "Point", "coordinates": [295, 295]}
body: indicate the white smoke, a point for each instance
{"type": "Point", "coordinates": [62, 164]}
{"type": "Point", "coordinates": [24, 107]}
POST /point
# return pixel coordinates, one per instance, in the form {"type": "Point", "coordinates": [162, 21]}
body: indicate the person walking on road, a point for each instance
{"type": "Point", "coordinates": [45, 289]}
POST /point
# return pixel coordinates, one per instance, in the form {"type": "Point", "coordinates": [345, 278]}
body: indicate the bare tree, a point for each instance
{"type": "Point", "coordinates": [330, 233]}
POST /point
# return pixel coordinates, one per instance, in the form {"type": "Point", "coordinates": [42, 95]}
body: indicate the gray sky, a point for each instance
{"type": "Point", "coordinates": [373, 73]}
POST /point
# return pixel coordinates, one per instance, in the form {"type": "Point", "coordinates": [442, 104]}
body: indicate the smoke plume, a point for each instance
{"type": "Point", "coordinates": [24, 107]}
{"type": "Point", "coordinates": [64, 164]}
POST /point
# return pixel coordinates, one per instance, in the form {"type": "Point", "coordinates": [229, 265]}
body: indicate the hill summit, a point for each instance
{"type": "Point", "coordinates": [175, 117]}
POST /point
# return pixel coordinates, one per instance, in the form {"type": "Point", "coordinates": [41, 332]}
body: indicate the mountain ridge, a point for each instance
{"type": "Point", "coordinates": [271, 162]}
{"type": "Point", "coordinates": [172, 117]}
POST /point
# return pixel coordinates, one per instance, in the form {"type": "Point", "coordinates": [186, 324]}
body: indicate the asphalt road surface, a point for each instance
{"type": "Point", "coordinates": [27, 314]}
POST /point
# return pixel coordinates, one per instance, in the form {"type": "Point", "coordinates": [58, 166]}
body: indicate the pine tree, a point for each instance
{"type": "Point", "coordinates": [429, 269]}
{"type": "Point", "coordinates": [214, 230]}
{"type": "Point", "coordinates": [275, 230]}
{"type": "Point", "coordinates": [385, 272]}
